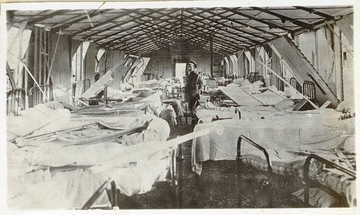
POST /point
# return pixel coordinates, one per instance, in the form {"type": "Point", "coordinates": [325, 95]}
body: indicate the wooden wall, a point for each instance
{"type": "Point", "coordinates": [112, 58]}
{"type": "Point", "coordinates": [164, 61]}
{"type": "Point", "coordinates": [61, 71]}
{"type": "Point", "coordinates": [89, 64]}
{"type": "Point", "coordinates": [160, 64]}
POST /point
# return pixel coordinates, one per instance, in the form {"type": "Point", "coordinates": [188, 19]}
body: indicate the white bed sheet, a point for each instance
{"type": "Point", "coordinates": [310, 130]}
{"type": "Point", "coordinates": [57, 173]}
{"type": "Point", "coordinates": [65, 173]}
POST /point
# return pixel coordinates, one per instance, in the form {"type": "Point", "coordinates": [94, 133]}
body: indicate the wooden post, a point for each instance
{"type": "Point", "coordinates": [81, 62]}
{"type": "Point", "coordinates": [105, 94]}
{"type": "Point", "coordinates": [53, 59]}
{"type": "Point", "coordinates": [16, 96]}
{"type": "Point", "coordinates": [45, 54]}
{"type": "Point", "coordinates": [40, 62]}
{"type": "Point", "coordinates": [34, 95]}
{"type": "Point", "coordinates": [316, 60]}
{"type": "Point", "coordinates": [26, 79]}
{"type": "Point", "coordinates": [46, 63]}
{"type": "Point", "coordinates": [48, 72]}
{"type": "Point", "coordinates": [211, 58]}
{"type": "Point", "coordinates": [338, 60]}
{"type": "Point", "coordinates": [341, 68]}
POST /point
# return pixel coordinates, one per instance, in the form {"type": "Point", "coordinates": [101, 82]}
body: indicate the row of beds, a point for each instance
{"type": "Point", "coordinates": [271, 133]}
{"type": "Point", "coordinates": [62, 157]}
{"type": "Point", "coordinates": [85, 158]}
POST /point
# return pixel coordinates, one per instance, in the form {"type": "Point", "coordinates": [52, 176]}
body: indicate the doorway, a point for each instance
{"type": "Point", "coordinates": [180, 72]}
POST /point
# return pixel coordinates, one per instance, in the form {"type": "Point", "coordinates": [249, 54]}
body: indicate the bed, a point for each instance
{"type": "Point", "coordinates": [69, 164]}
{"type": "Point", "coordinates": [253, 96]}
{"type": "Point", "coordinates": [288, 136]}
{"type": "Point", "coordinates": [58, 159]}
{"type": "Point", "coordinates": [325, 181]}
{"type": "Point", "coordinates": [290, 130]}
{"type": "Point", "coordinates": [249, 102]}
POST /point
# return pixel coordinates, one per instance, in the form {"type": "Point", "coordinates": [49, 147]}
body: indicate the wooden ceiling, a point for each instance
{"type": "Point", "coordinates": [140, 31]}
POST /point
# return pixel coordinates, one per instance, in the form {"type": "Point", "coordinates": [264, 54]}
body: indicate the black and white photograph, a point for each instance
{"type": "Point", "coordinates": [181, 105]}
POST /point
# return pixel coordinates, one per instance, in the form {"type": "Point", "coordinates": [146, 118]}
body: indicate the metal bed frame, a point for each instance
{"type": "Point", "coordinates": [239, 165]}
{"type": "Point", "coordinates": [308, 183]}
{"type": "Point", "coordinates": [309, 89]}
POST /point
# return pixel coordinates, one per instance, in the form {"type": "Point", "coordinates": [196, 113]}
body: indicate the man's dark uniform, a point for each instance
{"type": "Point", "coordinates": [192, 90]}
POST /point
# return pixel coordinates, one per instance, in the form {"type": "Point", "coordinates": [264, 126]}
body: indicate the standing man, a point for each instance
{"type": "Point", "coordinates": [192, 88]}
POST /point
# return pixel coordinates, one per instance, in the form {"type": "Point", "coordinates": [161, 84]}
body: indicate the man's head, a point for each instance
{"type": "Point", "coordinates": [191, 66]}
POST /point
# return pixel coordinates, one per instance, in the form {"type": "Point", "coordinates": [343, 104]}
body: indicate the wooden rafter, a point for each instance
{"type": "Point", "coordinates": [47, 16]}
{"type": "Point", "coordinates": [231, 29]}
{"type": "Point", "coordinates": [313, 11]}
{"type": "Point", "coordinates": [99, 24]}
{"type": "Point", "coordinates": [284, 18]}
{"type": "Point", "coordinates": [77, 19]}
{"type": "Point", "coordinates": [259, 20]}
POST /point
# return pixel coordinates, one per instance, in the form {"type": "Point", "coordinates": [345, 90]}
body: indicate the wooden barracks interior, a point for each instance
{"type": "Point", "coordinates": [96, 116]}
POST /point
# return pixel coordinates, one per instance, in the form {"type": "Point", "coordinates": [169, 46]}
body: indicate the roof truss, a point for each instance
{"type": "Point", "coordinates": [182, 30]}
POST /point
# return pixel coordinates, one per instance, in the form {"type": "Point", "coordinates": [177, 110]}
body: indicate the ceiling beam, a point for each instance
{"type": "Point", "coordinates": [99, 24]}
{"type": "Point", "coordinates": [124, 29]}
{"type": "Point", "coordinates": [284, 18]}
{"type": "Point", "coordinates": [319, 24]}
{"type": "Point", "coordinates": [229, 46]}
{"type": "Point", "coordinates": [217, 39]}
{"type": "Point", "coordinates": [223, 43]}
{"type": "Point", "coordinates": [169, 31]}
{"type": "Point", "coordinates": [71, 21]}
{"type": "Point", "coordinates": [250, 26]}
{"type": "Point", "coordinates": [313, 11]}
{"type": "Point", "coordinates": [259, 20]}
{"type": "Point", "coordinates": [140, 24]}
{"type": "Point", "coordinates": [44, 17]}
{"type": "Point", "coordinates": [235, 21]}
{"type": "Point", "coordinates": [139, 49]}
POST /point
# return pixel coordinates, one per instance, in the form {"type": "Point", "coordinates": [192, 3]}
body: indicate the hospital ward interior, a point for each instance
{"type": "Point", "coordinates": [98, 115]}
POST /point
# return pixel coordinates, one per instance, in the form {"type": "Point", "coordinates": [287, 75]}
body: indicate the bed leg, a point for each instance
{"type": "Point", "coordinates": [96, 195]}
{"type": "Point", "coordinates": [180, 183]}
{"type": "Point", "coordinates": [176, 177]}
{"type": "Point", "coordinates": [267, 190]}
{"type": "Point", "coordinates": [114, 196]}
{"type": "Point", "coordinates": [174, 193]}
{"type": "Point", "coordinates": [238, 176]}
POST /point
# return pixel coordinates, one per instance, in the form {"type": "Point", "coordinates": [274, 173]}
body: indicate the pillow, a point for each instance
{"type": "Point", "coordinates": [286, 104]}
{"type": "Point", "coordinates": [238, 81]}
{"type": "Point", "coordinates": [257, 84]}
{"type": "Point", "coordinates": [245, 83]}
